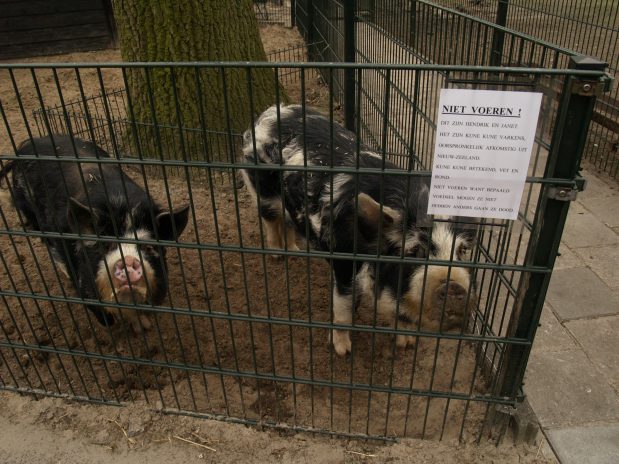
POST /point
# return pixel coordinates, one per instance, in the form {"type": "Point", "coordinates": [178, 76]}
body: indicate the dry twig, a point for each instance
{"type": "Point", "coordinates": [194, 443]}
{"type": "Point", "coordinates": [361, 454]}
{"type": "Point", "coordinates": [129, 439]}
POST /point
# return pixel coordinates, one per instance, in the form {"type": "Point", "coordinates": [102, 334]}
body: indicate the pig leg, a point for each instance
{"type": "Point", "coordinates": [137, 320]}
{"type": "Point", "coordinates": [342, 306]}
{"type": "Point", "coordinates": [59, 261]}
{"type": "Point", "coordinates": [342, 314]}
{"type": "Point", "coordinates": [403, 321]}
{"type": "Point", "coordinates": [275, 230]}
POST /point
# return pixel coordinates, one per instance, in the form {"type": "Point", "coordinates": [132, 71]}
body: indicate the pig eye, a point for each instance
{"type": "Point", "coordinates": [463, 248]}
{"type": "Point", "coordinates": [418, 251]}
{"type": "Point", "coordinates": [148, 249]}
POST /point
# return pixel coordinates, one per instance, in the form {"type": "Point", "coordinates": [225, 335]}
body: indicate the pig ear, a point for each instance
{"type": "Point", "coordinates": [171, 225]}
{"type": "Point", "coordinates": [370, 211]}
{"type": "Point", "coordinates": [81, 218]}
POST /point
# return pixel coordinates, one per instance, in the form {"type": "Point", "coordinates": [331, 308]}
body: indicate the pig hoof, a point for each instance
{"type": "Point", "coordinates": [146, 324]}
{"type": "Point", "coordinates": [140, 324]}
{"type": "Point", "coordinates": [341, 342]}
{"type": "Point", "coordinates": [404, 341]}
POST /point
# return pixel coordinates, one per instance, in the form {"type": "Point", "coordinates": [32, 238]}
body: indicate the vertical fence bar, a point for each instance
{"type": "Point", "coordinates": [412, 37]}
{"type": "Point", "coordinates": [498, 37]}
{"type": "Point", "coordinates": [568, 141]}
{"type": "Point", "coordinates": [309, 30]}
{"type": "Point", "coordinates": [349, 57]}
{"type": "Point", "coordinates": [293, 14]}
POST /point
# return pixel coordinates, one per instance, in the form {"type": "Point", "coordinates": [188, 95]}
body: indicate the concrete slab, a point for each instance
{"type": "Point", "coordinates": [600, 340]}
{"type": "Point", "coordinates": [591, 445]}
{"type": "Point", "coordinates": [596, 186]}
{"type": "Point", "coordinates": [604, 261]}
{"type": "Point", "coordinates": [584, 229]}
{"type": "Point", "coordinates": [551, 335]}
{"type": "Point", "coordinates": [565, 389]}
{"type": "Point", "coordinates": [577, 293]}
{"type": "Point", "coordinates": [567, 259]}
{"type": "Point", "coordinates": [605, 208]}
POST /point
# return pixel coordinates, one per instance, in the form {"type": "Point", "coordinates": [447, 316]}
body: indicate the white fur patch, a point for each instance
{"type": "Point", "coordinates": [339, 180]}
{"type": "Point", "coordinates": [294, 156]}
{"type": "Point", "coordinates": [365, 281]}
{"type": "Point", "coordinates": [264, 133]}
{"type": "Point", "coordinates": [342, 308]}
{"type": "Point", "coordinates": [443, 239]}
{"type": "Point", "coordinates": [124, 250]}
{"type": "Point", "coordinates": [315, 221]}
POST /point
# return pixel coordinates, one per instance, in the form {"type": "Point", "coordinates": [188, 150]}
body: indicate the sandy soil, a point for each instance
{"type": "Point", "coordinates": [162, 368]}
{"type": "Point", "coordinates": [50, 431]}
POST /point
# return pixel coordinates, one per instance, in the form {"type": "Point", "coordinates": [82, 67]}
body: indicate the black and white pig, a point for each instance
{"type": "Point", "coordinates": [54, 196]}
{"type": "Point", "coordinates": [432, 297]}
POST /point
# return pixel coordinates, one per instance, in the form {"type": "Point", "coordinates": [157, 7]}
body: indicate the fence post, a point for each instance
{"type": "Point", "coordinates": [350, 49]}
{"type": "Point", "coordinates": [293, 13]}
{"type": "Point", "coordinates": [570, 133]}
{"type": "Point", "coordinates": [498, 37]}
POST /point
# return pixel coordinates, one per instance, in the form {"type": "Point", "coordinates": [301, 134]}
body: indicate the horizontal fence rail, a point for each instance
{"type": "Point", "coordinates": [195, 299]}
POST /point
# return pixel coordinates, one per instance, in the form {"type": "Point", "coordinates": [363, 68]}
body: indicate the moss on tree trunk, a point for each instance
{"type": "Point", "coordinates": [215, 99]}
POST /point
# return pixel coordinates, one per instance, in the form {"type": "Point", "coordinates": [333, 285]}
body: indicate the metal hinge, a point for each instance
{"type": "Point", "coordinates": [567, 193]}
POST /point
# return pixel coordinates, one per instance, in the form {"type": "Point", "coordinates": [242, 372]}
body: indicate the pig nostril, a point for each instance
{"type": "Point", "coordinates": [130, 269]}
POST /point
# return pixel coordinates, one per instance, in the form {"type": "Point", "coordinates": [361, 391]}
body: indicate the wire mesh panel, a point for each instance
{"type": "Point", "coordinates": [138, 265]}
{"type": "Point", "coordinates": [414, 33]}
{"type": "Point", "coordinates": [590, 28]}
{"type": "Point", "coordinates": [274, 12]}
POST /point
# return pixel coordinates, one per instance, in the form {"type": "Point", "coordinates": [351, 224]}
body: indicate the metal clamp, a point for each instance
{"type": "Point", "coordinates": [562, 193]}
{"type": "Point", "coordinates": [590, 88]}
{"type": "Point", "coordinates": [566, 192]}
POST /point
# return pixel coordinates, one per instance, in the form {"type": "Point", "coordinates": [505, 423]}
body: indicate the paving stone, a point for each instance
{"type": "Point", "coordinates": [596, 186]}
{"type": "Point", "coordinates": [605, 208]}
{"type": "Point", "coordinates": [600, 340]}
{"type": "Point", "coordinates": [604, 261]}
{"type": "Point", "coordinates": [567, 259]}
{"type": "Point", "coordinates": [590, 445]}
{"type": "Point", "coordinates": [577, 293]}
{"type": "Point", "coordinates": [565, 389]}
{"type": "Point", "coordinates": [584, 229]}
{"type": "Point", "coordinates": [551, 335]}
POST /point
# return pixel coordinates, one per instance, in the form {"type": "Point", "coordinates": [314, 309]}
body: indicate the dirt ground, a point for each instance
{"type": "Point", "coordinates": [50, 431]}
{"type": "Point", "coordinates": [204, 355]}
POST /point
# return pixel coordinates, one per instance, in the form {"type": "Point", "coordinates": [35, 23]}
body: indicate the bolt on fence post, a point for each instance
{"type": "Point", "coordinates": [574, 114]}
{"type": "Point", "coordinates": [349, 57]}
{"type": "Point", "coordinates": [498, 37]}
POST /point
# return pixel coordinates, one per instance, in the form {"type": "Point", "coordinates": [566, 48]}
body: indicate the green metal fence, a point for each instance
{"type": "Point", "coordinates": [244, 337]}
{"type": "Point", "coordinates": [277, 12]}
{"type": "Point", "coordinates": [587, 28]}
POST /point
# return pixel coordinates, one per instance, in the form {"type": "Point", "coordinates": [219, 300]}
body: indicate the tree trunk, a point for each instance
{"type": "Point", "coordinates": [217, 100]}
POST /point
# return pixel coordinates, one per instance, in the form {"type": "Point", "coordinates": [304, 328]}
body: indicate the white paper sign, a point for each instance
{"type": "Point", "coordinates": [483, 147]}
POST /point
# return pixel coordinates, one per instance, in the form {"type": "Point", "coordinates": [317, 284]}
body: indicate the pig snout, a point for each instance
{"type": "Point", "coordinates": [451, 291]}
{"type": "Point", "coordinates": [452, 298]}
{"type": "Point", "coordinates": [129, 270]}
